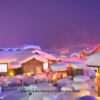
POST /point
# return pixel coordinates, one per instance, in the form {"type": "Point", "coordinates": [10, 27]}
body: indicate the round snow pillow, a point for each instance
{"type": "Point", "coordinates": [46, 88]}
{"type": "Point", "coordinates": [81, 78]}
{"type": "Point", "coordinates": [67, 88]}
{"type": "Point", "coordinates": [80, 86]}
{"type": "Point", "coordinates": [63, 82]}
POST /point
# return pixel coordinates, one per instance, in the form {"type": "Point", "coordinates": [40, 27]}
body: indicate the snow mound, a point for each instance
{"type": "Point", "coordinates": [78, 65]}
{"type": "Point", "coordinates": [80, 86]}
{"type": "Point", "coordinates": [49, 97]}
{"type": "Point", "coordinates": [67, 88]}
{"type": "Point", "coordinates": [59, 67]}
{"type": "Point", "coordinates": [81, 78]}
{"type": "Point", "coordinates": [46, 88]}
{"type": "Point", "coordinates": [31, 47]}
{"type": "Point", "coordinates": [70, 96]}
{"type": "Point", "coordinates": [64, 81]}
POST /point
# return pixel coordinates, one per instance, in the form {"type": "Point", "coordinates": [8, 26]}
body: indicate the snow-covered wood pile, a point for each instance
{"type": "Point", "coordinates": [67, 88]}
{"type": "Point", "coordinates": [64, 81]}
{"type": "Point", "coordinates": [78, 65]}
{"type": "Point", "coordinates": [80, 86]}
{"type": "Point", "coordinates": [81, 78]}
{"type": "Point", "coordinates": [59, 67]}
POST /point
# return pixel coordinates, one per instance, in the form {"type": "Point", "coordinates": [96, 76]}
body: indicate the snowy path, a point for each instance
{"type": "Point", "coordinates": [14, 95]}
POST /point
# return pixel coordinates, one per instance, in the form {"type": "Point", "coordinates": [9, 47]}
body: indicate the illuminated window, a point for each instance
{"type": "Point", "coordinates": [45, 66]}
{"type": "Point", "coordinates": [3, 67]}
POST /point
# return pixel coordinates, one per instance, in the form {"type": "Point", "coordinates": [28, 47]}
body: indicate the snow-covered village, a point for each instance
{"type": "Point", "coordinates": [30, 73]}
{"type": "Point", "coordinates": [49, 49]}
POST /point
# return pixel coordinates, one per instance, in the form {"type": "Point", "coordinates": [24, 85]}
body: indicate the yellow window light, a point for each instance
{"type": "Point", "coordinates": [28, 74]}
{"type": "Point", "coordinates": [64, 75]}
{"type": "Point", "coordinates": [98, 98]}
{"type": "Point", "coordinates": [97, 74]}
{"type": "Point", "coordinates": [54, 77]}
{"type": "Point", "coordinates": [11, 73]}
{"type": "Point", "coordinates": [39, 71]}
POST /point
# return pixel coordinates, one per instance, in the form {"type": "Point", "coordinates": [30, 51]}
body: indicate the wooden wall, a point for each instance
{"type": "Point", "coordinates": [31, 66]}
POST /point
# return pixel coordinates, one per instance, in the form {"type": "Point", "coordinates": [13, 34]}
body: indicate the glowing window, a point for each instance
{"type": "Point", "coordinates": [3, 67]}
{"type": "Point", "coordinates": [45, 66]}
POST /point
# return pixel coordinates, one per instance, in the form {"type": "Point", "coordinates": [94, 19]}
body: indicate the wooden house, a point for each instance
{"type": "Point", "coordinates": [24, 61]}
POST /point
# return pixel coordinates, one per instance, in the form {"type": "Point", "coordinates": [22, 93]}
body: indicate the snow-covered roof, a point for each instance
{"type": "Point", "coordinates": [16, 58]}
{"type": "Point", "coordinates": [44, 54]}
{"type": "Point", "coordinates": [38, 57]}
{"type": "Point", "coordinates": [96, 49]}
{"type": "Point", "coordinates": [93, 60]}
{"type": "Point", "coordinates": [78, 65]}
{"type": "Point", "coordinates": [59, 67]}
{"type": "Point", "coordinates": [75, 59]}
{"type": "Point", "coordinates": [34, 47]}
{"type": "Point", "coordinates": [14, 65]}
{"type": "Point", "coordinates": [75, 55]}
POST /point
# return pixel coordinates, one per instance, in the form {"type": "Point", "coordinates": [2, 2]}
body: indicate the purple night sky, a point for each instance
{"type": "Point", "coordinates": [49, 23]}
